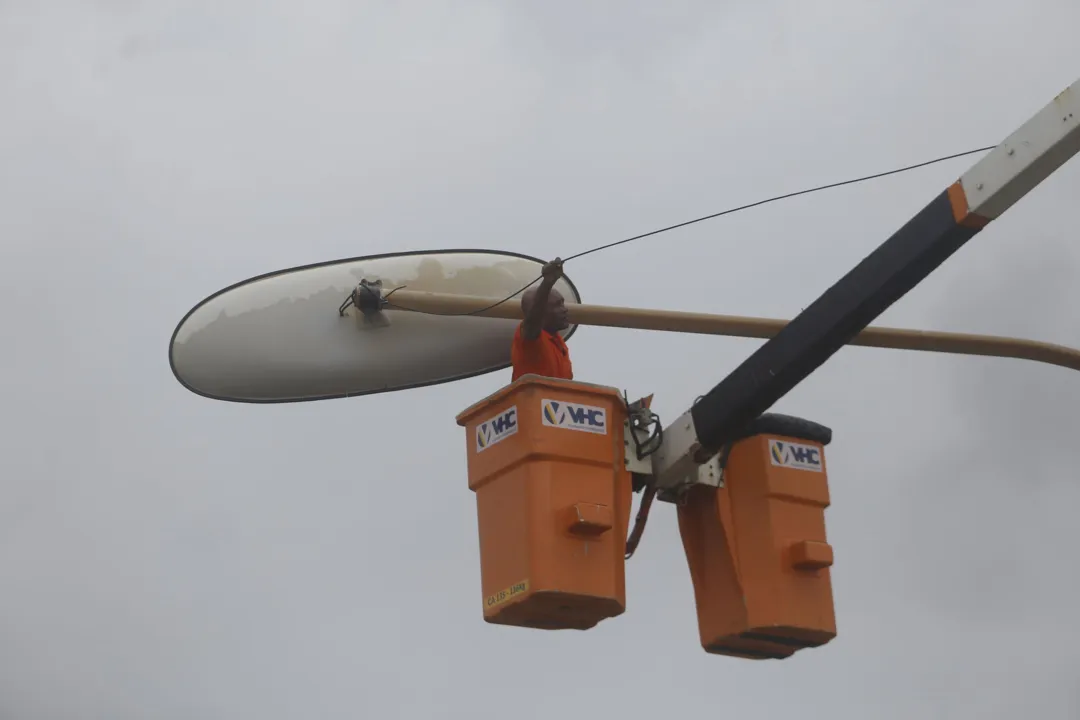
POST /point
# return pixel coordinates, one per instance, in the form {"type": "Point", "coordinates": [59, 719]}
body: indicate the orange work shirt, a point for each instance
{"type": "Point", "coordinates": [547, 355]}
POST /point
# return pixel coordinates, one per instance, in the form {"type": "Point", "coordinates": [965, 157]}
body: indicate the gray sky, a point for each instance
{"type": "Point", "coordinates": [166, 556]}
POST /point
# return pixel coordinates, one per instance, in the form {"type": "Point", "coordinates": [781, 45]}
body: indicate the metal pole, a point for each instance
{"type": "Point", "coordinates": [738, 326]}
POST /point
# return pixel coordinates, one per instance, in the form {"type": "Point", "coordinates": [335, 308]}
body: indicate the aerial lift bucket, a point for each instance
{"type": "Point", "coordinates": [545, 459]}
{"type": "Point", "coordinates": [756, 546]}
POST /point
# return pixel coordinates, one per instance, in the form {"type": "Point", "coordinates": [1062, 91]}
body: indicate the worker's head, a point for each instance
{"type": "Point", "coordinates": [555, 315]}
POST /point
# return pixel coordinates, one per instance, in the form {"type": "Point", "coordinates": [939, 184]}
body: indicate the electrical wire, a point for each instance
{"type": "Point", "coordinates": [712, 216]}
{"type": "Point", "coordinates": [641, 418]}
{"type": "Point", "coordinates": [779, 197]}
{"type": "Point", "coordinates": [634, 538]}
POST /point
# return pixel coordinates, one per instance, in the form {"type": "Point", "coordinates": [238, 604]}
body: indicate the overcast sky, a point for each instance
{"type": "Point", "coordinates": [171, 557]}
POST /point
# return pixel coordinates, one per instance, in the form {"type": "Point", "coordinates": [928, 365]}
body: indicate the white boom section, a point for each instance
{"type": "Point", "coordinates": [1025, 158]}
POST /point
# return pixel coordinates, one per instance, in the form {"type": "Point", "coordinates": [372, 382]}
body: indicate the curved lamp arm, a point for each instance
{"type": "Point", "coordinates": [739, 326]}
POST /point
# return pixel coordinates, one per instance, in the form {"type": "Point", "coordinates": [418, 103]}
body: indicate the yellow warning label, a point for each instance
{"type": "Point", "coordinates": [506, 595]}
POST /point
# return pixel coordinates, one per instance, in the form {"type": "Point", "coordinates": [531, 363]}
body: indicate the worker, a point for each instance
{"type": "Point", "coordinates": [538, 347]}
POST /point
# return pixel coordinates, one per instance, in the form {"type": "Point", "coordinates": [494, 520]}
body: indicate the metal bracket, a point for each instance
{"type": "Point", "coordinates": [679, 455]}
{"type": "Point", "coordinates": [633, 464]}
{"type": "Point", "coordinates": [639, 443]}
{"type": "Point", "coordinates": [709, 474]}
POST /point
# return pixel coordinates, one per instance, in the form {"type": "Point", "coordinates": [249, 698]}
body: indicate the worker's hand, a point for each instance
{"type": "Point", "coordinates": [553, 270]}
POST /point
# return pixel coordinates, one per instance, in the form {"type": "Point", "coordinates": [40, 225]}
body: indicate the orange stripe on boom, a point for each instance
{"type": "Point", "coordinates": [958, 200]}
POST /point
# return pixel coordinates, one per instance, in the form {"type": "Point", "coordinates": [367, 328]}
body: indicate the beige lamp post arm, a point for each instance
{"type": "Point", "coordinates": [739, 326]}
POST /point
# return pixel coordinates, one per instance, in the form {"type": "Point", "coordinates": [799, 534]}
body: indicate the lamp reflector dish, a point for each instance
{"type": "Point", "coordinates": [280, 338]}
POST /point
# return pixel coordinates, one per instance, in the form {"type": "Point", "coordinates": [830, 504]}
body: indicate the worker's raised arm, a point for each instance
{"type": "Point", "coordinates": [536, 303]}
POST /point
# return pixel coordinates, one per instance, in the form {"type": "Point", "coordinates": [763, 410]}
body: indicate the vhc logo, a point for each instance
{"type": "Point", "coordinates": [496, 429]}
{"type": "Point", "coordinates": [795, 455]}
{"type": "Point", "coordinates": [572, 416]}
